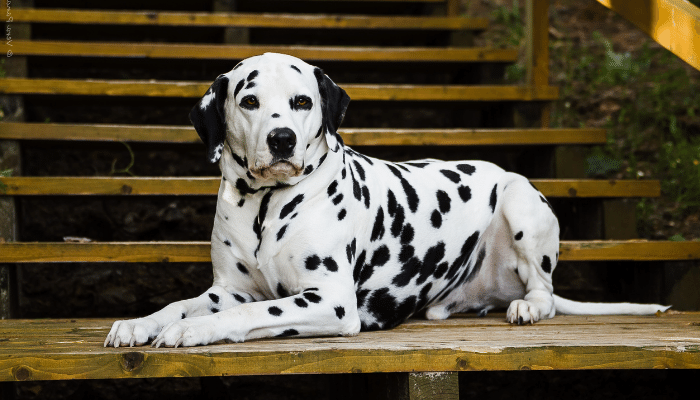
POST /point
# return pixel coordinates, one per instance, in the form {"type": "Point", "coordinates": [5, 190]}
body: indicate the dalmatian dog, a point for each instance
{"type": "Point", "coordinates": [312, 238]}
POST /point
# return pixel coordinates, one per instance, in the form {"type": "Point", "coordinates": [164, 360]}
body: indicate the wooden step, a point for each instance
{"type": "Point", "coordinates": [355, 91]}
{"type": "Point", "coordinates": [352, 137]}
{"type": "Point", "coordinates": [176, 252]}
{"type": "Point", "coordinates": [245, 20]}
{"type": "Point", "coordinates": [208, 186]}
{"type": "Point", "coordinates": [73, 349]}
{"type": "Point", "coordinates": [239, 52]}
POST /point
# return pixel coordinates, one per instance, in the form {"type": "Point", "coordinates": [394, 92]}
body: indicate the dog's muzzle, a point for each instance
{"type": "Point", "coordinates": [281, 142]}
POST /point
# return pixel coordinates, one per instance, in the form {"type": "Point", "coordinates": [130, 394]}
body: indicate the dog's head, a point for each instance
{"type": "Point", "coordinates": [271, 111]}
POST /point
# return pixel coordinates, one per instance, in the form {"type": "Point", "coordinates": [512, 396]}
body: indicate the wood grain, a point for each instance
{"type": "Point", "coordinates": [147, 252]}
{"type": "Point", "coordinates": [157, 186]}
{"type": "Point", "coordinates": [72, 349]}
{"type": "Point", "coordinates": [358, 92]}
{"type": "Point", "coordinates": [351, 136]}
{"type": "Point", "coordinates": [246, 20]}
{"type": "Point", "coordinates": [239, 52]}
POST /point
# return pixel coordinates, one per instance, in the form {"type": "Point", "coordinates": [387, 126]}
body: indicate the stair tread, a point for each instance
{"type": "Point", "coordinates": [250, 20]}
{"type": "Point", "coordinates": [202, 186]}
{"type": "Point", "coordinates": [199, 251]}
{"type": "Point", "coordinates": [351, 136]}
{"type": "Point", "coordinates": [239, 52]}
{"type": "Point", "coordinates": [357, 92]}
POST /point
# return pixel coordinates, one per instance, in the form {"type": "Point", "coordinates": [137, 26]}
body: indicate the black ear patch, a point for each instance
{"type": "Point", "coordinates": [335, 103]}
{"type": "Point", "coordinates": [209, 118]}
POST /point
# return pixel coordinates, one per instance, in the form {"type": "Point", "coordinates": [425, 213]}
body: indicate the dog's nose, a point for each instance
{"type": "Point", "coordinates": [281, 142]}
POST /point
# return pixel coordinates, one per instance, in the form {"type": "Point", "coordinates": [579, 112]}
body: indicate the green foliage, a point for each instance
{"type": "Point", "coordinates": [127, 169]}
{"type": "Point", "coordinates": [4, 173]}
{"type": "Point", "coordinates": [649, 103]}
{"type": "Point", "coordinates": [512, 20]}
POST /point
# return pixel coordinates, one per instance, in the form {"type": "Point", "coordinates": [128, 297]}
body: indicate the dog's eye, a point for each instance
{"type": "Point", "coordinates": [250, 102]}
{"type": "Point", "coordinates": [301, 103]}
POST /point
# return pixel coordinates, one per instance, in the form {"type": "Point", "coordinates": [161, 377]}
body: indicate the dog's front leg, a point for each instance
{"type": "Point", "coordinates": [139, 331]}
{"type": "Point", "coordinates": [313, 312]}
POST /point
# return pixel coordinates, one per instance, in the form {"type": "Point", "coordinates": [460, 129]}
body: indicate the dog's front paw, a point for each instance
{"type": "Point", "coordinates": [186, 333]}
{"type": "Point", "coordinates": [132, 332]}
{"type": "Point", "coordinates": [522, 311]}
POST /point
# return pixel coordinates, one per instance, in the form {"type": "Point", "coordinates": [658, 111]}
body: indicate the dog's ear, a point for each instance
{"type": "Point", "coordinates": [335, 103]}
{"type": "Point", "coordinates": [209, 118]}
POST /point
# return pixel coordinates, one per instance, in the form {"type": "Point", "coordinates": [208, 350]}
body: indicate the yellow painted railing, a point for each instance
{"type": "Point", "coordinates": [674, 24]}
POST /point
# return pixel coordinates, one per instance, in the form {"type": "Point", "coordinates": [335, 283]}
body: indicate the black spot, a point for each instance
{"type": "Point", "coordinates": [238, 65]}
{"type": "Point", "coordinates": [330, 264]}
{"type": "Point", "coordinates": [281, 291]}
{"type": "Point", "coordinates": [519, 235]}
{"type": "Point", "coordinates": [243, 187]}
{"type": "Point", "coordinates": [288, 332]}
{"type": "Point", "coordinates": [322, 159]}
{"type": "Point", "coordinates": [289, 207]}
{"type": "Point", "coordinates": [432, 257]}
{"type": "Point", "coordinates": [417, 164]}
{"type": "Point", "coordinates": [365, 194]}
{"type": "Point", "coordinates": [406, 253]}
{"type": "Point", "coordinates": [275, 115]}
{"type": "Point", "coordinates": [464, 255]}
{"type": "Point", "coordinates": [183, 316]}
{"type": "Point", "coordinates": [332, 188]}
{"type": "Point", "coordinates": [350, 250]}
{"type": "Point", "coordinates": [546, 264]}
{"type": "Point", "coordinates": [301, 302]}
{"type": "Point", "coordinates": [466, 168]}
{"type": "Point", "coordinates": [281, 232]}
{"type": "Point", "coordinates": [356, 191]}
{"type": "Point", "coordinates": [239, 298]}
{"type": "Point", "coordinates": [476, 268]}
{"type": "Point", "coordinates": [337, 199]}
{"type": "Point", "coordinates": [407, 234]}
{"type": "Point", "coordinates": [242, 268]}
{"type": "Point", "coordinates": [252, 75]}
{"type": "Point", "coordinates": [378, 228]}
{"type": "Point", "coordinates": [409, 269]}
{"type": "Point", "coordinates": [391, 205]}
{"type": "Point", "coordinates": [397, 223]}
{"type": "Point", "coordinates": [250, 85]}
{"type": "Point", "coordinates": [295, 68]}
{"type": "Point", "coordinates": [342, 214]}
{"type": "Point", "coordinates": [312, 262]}
{"type": "Point", "coordinates": [214, 310]}
{"type": "Point", "coordinates": [309, 169]}
{"type": "Point", "coordinates": [344, 173]}
{"type": "Point", "coordinates": [240, 204]}
{"type": "Point", "coordinates": [227, 243]}
{"type": "Point", "coordinates": [275, 311]}
{"type": "Point", "coordinates": [238, 88]}
{"type": "Point", "coordinates": [444, 201]}
{"type": "Point", "coordinates": [423, 297]}
{"type": "Point", "coordinates": [440, 271]}
{"type": "Point", "coordinates": [340, 312]}
{"type": "Point", "coordinates": [360, 170]}
{"type": "Point", "coordinates": [464, 193]}
{"type": "Point", "coordinates": [359, 263]}
{"type": "Point", "coordinates": [361, 295]}
{"type": "Point", "coordinates": [494, 198]}
{"type": "Point", "coordinates": [214, 297]}
{"type": "Point", "coordinates": [411, 195]}
{"type": "Point", "coordinates": [436, 219]}
{"type": "Point", "coordinates": [451, 175]}
{"type": "Point", "coordinates": [238, 161]}
{"type": "Point", "coordinates": [312, 297]}
{"type": "Point", "coordinates": [380, 256]}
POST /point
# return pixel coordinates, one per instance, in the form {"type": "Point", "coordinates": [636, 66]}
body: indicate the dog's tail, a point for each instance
{"type": "Point", "coordinates": [571, 307]}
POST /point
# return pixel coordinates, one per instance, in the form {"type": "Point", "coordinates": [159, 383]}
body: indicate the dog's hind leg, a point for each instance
{"type": "Point", "coordinates": [535, 239]}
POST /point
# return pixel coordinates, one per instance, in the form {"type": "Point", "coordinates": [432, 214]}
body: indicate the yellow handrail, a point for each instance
{"type": "Point", "coordinates": [674, 24]}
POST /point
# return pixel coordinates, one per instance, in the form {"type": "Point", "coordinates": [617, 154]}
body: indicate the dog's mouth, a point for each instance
{"type": "Point", "coordinates": [279, 169]}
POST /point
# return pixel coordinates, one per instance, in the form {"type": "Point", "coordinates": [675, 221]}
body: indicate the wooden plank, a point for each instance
{"type": "Point", "coordinates": [177, 186]}
{"type": "Point", "coordinates": [131, 252]}
{"type": "Point", "coordinates": [351, 136]}
{"type": "Point", "coordinates": [357, 92]}
{"type": "Point", "coordinates": [674, 24]}
{"type": "Point", "coordinates": [243, 20]}
{"type": "Point", "coordinates": [239, 52]}
{"type": "Point", "coordinates": [72, 349]}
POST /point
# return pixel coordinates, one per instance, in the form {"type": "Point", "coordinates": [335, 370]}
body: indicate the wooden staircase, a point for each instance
{"type": "Point", "coordinates": [455, 84]}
